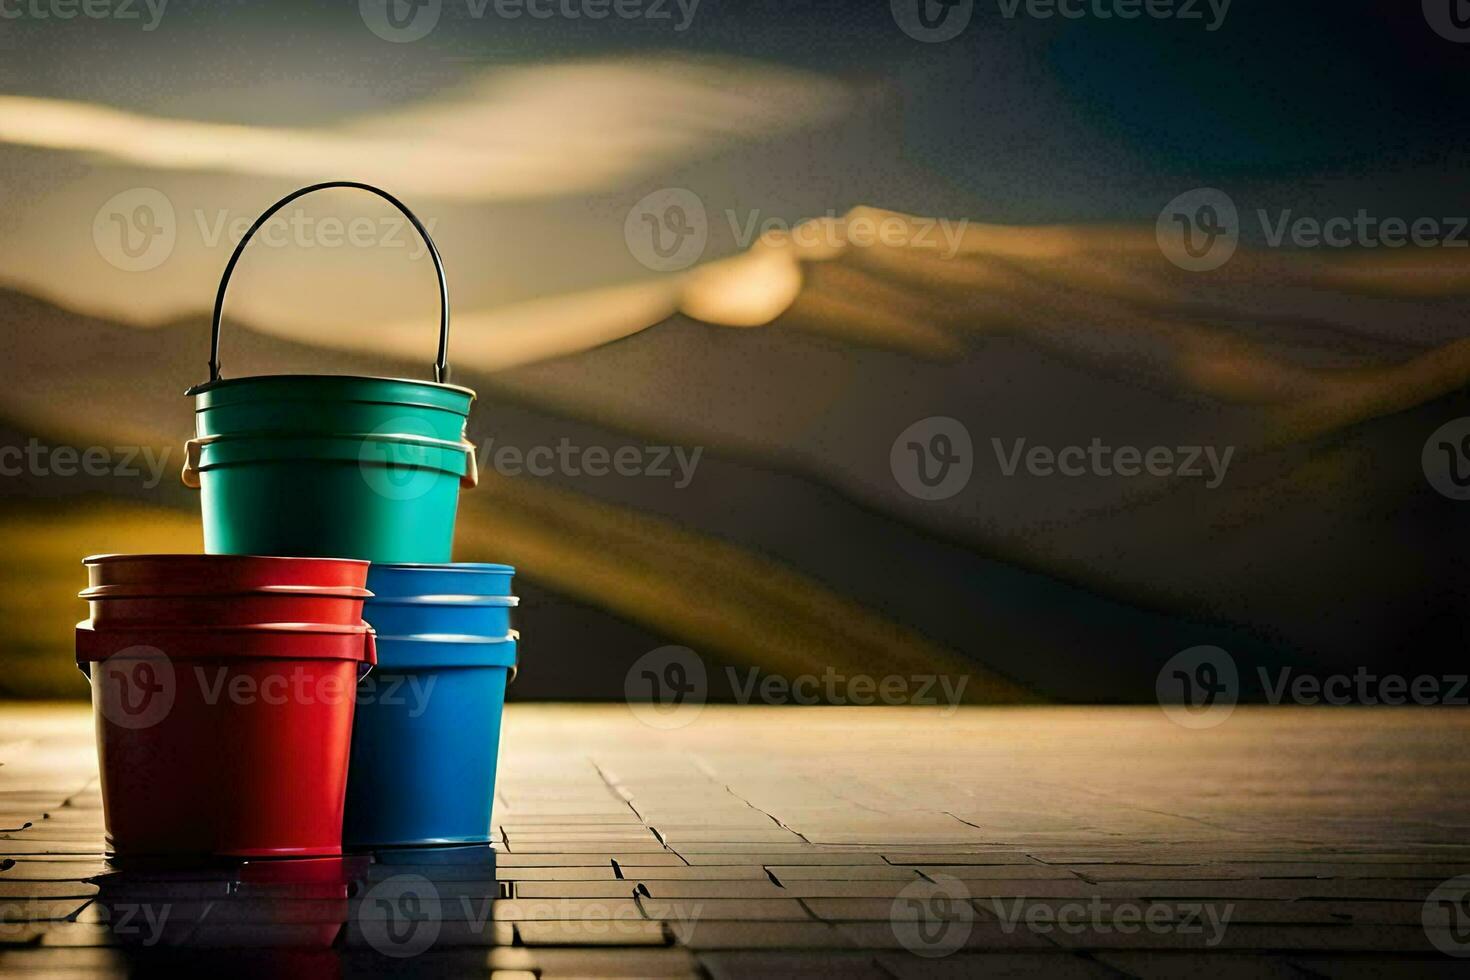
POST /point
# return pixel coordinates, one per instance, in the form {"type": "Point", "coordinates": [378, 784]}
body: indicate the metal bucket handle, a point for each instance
{"type": "Point", "coordinates": [441, 364]}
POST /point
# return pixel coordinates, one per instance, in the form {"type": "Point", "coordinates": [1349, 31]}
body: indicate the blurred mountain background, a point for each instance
{"type": "Point", "coordinates": [791, 362]}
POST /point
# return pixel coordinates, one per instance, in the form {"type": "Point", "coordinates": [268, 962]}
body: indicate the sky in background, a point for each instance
{"type": "Point", "coordinates": [134, 151]}
{"type": "Point", "coordinates": [525, 141]}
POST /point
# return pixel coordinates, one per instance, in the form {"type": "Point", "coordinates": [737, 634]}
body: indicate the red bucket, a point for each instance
{"type": "Point", "coordinates": [224, 740]}
{"type": "Point", "coordinates": [223, 590]}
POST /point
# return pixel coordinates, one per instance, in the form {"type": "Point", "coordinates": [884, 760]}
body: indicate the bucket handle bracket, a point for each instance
{"type": "Point", "coordinates": [190, 474]}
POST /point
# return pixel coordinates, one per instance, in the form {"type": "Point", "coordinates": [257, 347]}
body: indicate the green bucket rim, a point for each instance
{"type": "Point", "coordinates": [452, 458]}
{"type": "Point", "coordinates": [206, 387]}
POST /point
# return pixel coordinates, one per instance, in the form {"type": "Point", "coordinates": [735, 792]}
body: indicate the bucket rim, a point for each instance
{"type": "Point", "coordinates": [112, 556]}
{"type": "Point", "coordinates": [207, 386]}
{"type": "Point", "coordinates": [225, 451]}
{"type": "Point", "coordinates": [263, 641]}
{"type": "Point", "coordinates": [445, 599]}
{"type": "Point", "coordinates": [448, 566]}
{"type": "Point", "coordinates": [462, 639]}
{"type": "Point", "coordinates": [263, 629]}
{"type": "Point", "coordinates": [447, 651]}
{"type": "Point", "coordinates": [103, 593]}
{"type": "Point", "coordinates": [430, 442]}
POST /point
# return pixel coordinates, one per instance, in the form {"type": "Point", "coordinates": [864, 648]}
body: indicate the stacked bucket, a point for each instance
{"type": "Point", "coordinates": [323, 675]}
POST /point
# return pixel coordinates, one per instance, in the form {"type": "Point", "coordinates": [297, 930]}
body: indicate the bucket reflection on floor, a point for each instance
{"type": "Point", "coordinates": [295, 917]}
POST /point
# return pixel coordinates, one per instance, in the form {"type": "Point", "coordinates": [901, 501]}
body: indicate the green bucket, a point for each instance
{"type": "Point", "coordinates": [331, 466]}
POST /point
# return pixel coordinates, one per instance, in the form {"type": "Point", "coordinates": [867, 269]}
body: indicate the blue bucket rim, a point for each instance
{"type": "Point", "coordinates": [448, 566]}
{"type": "Point", "coordinates": [452, 600]}
{"type": "Point", "coordinates": [458, 639]}
{"type": "Point", "coordinates": [433, 651]}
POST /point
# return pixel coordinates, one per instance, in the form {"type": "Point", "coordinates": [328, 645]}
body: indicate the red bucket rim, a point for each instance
{"type": "Point", "coordinates": [197, 574]}
{"type": "Point", "coordinates": [98, 593]}
{"type": "Point", "coordinates": [273, 641]}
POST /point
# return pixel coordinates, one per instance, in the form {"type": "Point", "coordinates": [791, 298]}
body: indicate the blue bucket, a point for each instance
{"type": "Point", "coordinates": [426, 734]}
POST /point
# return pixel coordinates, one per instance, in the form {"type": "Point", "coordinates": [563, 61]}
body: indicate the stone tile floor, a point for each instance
{"type": "Point", "coordinates": [784, 842]}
